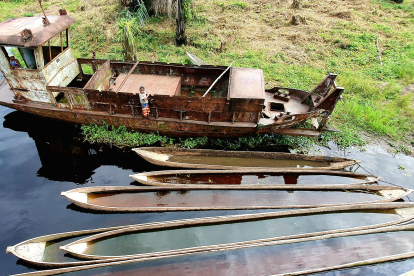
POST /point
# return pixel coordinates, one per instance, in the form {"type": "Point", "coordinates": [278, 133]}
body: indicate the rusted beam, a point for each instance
{"type": "Point", "coordinates": [50, 51]}
{"type": "Point", "coordinates": [61, 41]}
{"type": "Point", "coordinates": [45, 20]}
{"type": "Point", "coordinates": [208, 90]}
{"type": "Point", "coordinates": [129, 73]}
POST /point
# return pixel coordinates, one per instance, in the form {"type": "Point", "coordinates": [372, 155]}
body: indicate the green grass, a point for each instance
{"type": "Point", "coordinates": [8, 8]}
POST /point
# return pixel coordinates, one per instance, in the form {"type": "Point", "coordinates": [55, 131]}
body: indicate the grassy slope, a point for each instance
{"type": "Point", "coordinates": [339, 37]}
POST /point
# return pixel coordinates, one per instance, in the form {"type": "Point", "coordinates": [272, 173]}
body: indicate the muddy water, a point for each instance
{"type": "Point", "coordinates": [39, 159]}
{"type": "Point", "coordinates": [254, 178]}
{"type": "Point", "coordinates": [247, 162]}
{"type": "Point", "coordinates": [186, 237]}
{"type": "Point", "coordinates": [230, 198]}
{"type": "Point", "coordinates": [270, 260]}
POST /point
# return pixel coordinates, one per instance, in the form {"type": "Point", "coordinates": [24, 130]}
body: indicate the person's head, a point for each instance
{"type": "Point", "coordinates": [12, 57]}
{"type": "Point", "coordinates": [142, 89]}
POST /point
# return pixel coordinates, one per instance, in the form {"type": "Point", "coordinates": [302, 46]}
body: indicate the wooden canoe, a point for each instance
{"type": "Point", "coordinates": [373, 216]}
{"type": "Point", "coordinates": [240, 160]}
{"type": "Point", "coordinates": [283, 257]}
{"type": "Point", "coordinates": [311, 179]}
{"type": "Point", "coordinates": [158, 199]}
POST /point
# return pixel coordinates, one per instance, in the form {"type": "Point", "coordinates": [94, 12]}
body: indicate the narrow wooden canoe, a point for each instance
{"type": "Point", "coordinates": [283, 257]}
{"type": "Point", "coordinates": [311, 179]}
{"type": "Point", "coordinates": [147, 199]}
{"type": "Point", "coordinates": [240, 160]}
{"type": "Point", "coordinates": [44, 251]}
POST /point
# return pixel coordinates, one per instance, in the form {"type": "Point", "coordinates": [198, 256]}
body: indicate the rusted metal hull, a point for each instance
{"type": "Point", "coordinates": [171, 127]}
{"type": "Point", "coordinates": [182, 112]}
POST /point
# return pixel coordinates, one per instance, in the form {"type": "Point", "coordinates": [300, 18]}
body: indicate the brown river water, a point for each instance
{"type": "Point", "coordinates": [40, 158]}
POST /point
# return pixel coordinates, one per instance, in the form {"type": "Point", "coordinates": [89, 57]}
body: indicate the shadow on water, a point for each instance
{"type": "Point", "coordinates": [63, 155]}
{"type": "Point", "coordinates": [39, 158]}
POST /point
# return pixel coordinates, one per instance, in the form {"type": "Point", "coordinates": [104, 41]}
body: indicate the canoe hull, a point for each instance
{"type": "Point", "coordinates": [79, 197]}
{"type": "Point", "coordinates": [143, 178]}
{"type": "Point", "coordinates": [160, 156]}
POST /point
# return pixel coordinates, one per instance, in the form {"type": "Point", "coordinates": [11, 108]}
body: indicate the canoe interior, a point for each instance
{"type": "Point", "coordinates": [270, 260]}
{"type": "Point", "coordinates": [53, 254]}
{"type": "Point", "coordinates": [193, 236]}
{"type": "Point", "coordinates": [255, 178]}
{"type": "Point", "coordinates": [229, 198]}
{"type": "Point", "coordinates": [247, 161]}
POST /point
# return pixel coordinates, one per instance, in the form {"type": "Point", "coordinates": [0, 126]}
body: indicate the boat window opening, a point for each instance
{"type": "Point", "coordinates": [54, 47]}
{"type": "Point", "coordinates": [28, 55]}
{"type": "Point", "coordinates": [78, 82]}
{"type": "Point", "coordinates": [16, 52]}
{"type": "Point", "coordinates": [277, 107]}
{"type": "Point", "coordinates": [87, 69]}
{"type": "Point", "coordinates": [61, 98]}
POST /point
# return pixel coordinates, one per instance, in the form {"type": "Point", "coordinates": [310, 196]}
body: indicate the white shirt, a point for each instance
{"type": "Point", "coordinates": [142, 96]}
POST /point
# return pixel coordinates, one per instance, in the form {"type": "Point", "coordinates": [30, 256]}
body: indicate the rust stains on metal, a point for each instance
{"type": "Point", "coordinates": [100, 80]}
{"type": "Point", "coordinates": [237, 105]}
{"type": "Point", "coordinates": [11, 29]}
{"type": "Point", "coordinates": [246, 83]}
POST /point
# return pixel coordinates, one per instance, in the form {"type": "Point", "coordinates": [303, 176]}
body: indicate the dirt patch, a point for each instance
{"type": "Point", "coordinates": [408, 89]}
{"type": "Point", "coordinates": [343, 15]}
{"type": "Point", "coordinates": [52, 10]}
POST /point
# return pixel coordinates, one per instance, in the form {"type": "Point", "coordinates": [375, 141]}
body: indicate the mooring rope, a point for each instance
{"type": "Point", "coordinates": [379, 180]}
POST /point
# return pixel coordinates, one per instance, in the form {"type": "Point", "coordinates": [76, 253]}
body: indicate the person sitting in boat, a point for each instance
{"type": "Point", "coordinates": [15, 63]}
{"type": "Point", "coordinates": [143, 98]}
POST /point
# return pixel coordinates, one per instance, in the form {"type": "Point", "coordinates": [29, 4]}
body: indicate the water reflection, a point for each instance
{"type": "Point", "coordinates": [40, 158]}
{"type": "Point", "coordinates": [63, 155]}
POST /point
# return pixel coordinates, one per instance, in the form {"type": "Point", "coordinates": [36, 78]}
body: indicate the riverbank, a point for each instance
{"type": "Point", "coordinates": [369, 44]}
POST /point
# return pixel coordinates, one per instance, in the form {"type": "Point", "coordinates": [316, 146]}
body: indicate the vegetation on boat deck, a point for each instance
{"type": "Point", "coordinates": [369, 44]}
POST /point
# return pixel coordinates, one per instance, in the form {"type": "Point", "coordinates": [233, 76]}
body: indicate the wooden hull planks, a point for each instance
{"type": "Point", "coordinates": [254, 179]}
{"type": "Point", "coordinates": [403, 212]}
{"type": "Point", "coordinates": [272, 256]}
{"type": "Point", "coordinates": [240, 160]}
{"type": "Point", "coordinates": [157, 199]}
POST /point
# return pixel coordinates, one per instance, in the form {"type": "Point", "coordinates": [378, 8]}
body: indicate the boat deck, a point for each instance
{"type": "Point", "coordinates": [293, 106]}
{"type": "Point", "coordinates": [154, 84]}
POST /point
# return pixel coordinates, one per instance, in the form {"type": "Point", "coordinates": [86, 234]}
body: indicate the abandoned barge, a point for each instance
{"type": "Point", "coordinates": [57, 85]}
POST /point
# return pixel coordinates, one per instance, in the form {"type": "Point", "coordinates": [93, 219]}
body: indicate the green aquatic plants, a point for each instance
{"type": "Point", "coordinates": [122, 138]}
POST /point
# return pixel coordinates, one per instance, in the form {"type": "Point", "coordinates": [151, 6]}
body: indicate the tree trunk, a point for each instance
{"type": "Point", "coordinates": [180, 36]}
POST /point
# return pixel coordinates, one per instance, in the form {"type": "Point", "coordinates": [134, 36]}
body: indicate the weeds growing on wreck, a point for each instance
{"type": "Point", "coordinates": [121, 137]}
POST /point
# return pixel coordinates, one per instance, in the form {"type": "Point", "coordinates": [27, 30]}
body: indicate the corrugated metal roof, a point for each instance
{"type": "Point", "coordinates": [11, 28]}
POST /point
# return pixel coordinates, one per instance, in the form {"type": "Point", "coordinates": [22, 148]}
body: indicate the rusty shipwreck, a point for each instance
{"type": "Point", "coordinates": [57, 85]}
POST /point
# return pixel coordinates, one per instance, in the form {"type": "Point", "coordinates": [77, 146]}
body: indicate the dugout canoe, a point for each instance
{"type": "Point", "coordinates": [239, 160]}
{"type": "Point", "coordinates": [284, 257]}
{"type": "Point", "coordinates": [311, 179]}
{"type": "Point", "coordinates": [44, 251]}
{"type": "Point", "coordinates": [158, 199]}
